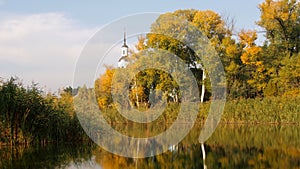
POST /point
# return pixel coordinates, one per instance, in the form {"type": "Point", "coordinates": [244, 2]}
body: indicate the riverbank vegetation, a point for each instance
{"type": "Point", "coordinates": [29, 115]}
{"type": "Point", "coordinates": [269, 110]}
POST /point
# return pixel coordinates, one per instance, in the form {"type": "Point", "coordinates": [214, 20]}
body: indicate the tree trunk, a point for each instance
{"type": "Point", "coordinates": [203, 155]}
{"type": "Point", "coordinates": [137, 95]}
{"type": "Point", "coordinates": [203, 86]}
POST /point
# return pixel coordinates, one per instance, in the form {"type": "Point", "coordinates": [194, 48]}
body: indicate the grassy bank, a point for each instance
{"type": "Point", "coordinates": [272, 110]}
{"type": "Point", "coordinates": [278, 110]}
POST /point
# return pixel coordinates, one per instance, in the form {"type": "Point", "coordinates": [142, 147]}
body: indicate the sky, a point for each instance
{"type": "Point", "coordinates": [40, 41]}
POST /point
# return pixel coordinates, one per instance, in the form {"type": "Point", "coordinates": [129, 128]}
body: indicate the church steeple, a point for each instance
{"type": "Point", "coordinates": [124, 47]}
{"type": "Point", "coordinates": [124, 38]}
{"type": "Point", "coordinates": [123, 61]}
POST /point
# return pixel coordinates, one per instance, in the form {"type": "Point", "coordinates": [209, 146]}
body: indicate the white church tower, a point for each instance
{"type": "Point", "coordinates": [123, 61]}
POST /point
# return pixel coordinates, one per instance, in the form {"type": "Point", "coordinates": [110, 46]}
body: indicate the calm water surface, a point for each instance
{"type": "Point", "coordinates": [231, 146]}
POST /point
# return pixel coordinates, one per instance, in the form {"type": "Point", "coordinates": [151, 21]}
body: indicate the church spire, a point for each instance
{"type": "Point", "coordinates": [123, 61]}
{"type": "Point", "coordinates": [124, 36]}
{"type": "Point", "coordinates": [125, 45]}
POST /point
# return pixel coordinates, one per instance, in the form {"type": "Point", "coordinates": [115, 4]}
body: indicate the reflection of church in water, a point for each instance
{"type": "Point", "coordinates": [124, 60]}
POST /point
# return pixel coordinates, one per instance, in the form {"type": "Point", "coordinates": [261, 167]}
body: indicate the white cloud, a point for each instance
{"type": "Point", "coordinates": [41, 47]}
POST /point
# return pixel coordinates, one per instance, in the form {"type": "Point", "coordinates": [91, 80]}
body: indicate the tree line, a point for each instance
{"type": "Point", "coordinates": [252, 70]}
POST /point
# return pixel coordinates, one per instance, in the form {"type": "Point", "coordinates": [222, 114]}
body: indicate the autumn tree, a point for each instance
{"type": "Point", "coordinates": [253, 62]}
{"type": "Point", "coordinates": [103, 88]}
{"type": "Point", "coordinates": [219, 33]}
{"type": "Point", "coordinates": [281, 20]}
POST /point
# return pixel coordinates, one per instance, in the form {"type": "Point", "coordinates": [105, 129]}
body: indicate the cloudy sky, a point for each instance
{"type": "Point", "coordinates": [41, 41]}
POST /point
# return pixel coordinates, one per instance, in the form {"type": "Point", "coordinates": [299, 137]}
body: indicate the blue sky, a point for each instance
{"type": "Point", "coordinates": [95, 12]}
{"type": "Point", "coordinates": [41, 40]}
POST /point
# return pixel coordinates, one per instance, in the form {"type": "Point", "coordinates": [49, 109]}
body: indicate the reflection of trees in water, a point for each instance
{"type": "Point", "coordinates": [183, 157]}
{"type": "Point", "coordinates": [51, 156]}
{"type": "Point", "coordinates": [203, 155]}
{"type": "Point", "coordinates": [230, 147]}
{"type": "Point", "coordinates": [217, 156]}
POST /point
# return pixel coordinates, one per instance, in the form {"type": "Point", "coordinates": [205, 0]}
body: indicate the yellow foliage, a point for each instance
{"type": "Point", "coordinates": [141, 43]}
{"type": "Point", "coordinates": [248, 37]}
{"type": "Point", "coordinates": [231, 50]}
{"type": "Point", "coordinates": [272, 10]}
{"type": "Point", "coordinates": [292, 93]}
{"type": "Point", "coordinates": [251, 56]}
{"type": "Point", "coordinates": [252, 53]}
{"type": "Point", "coordinates": [280, 19]}
{"type": "Point", "coordinates": [103, 87]}
{"type": "Point", "coordinates": [209, 22]}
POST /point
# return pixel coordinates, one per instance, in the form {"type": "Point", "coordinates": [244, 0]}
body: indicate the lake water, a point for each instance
{"type": "Point", "coordinates": [231, 146]}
